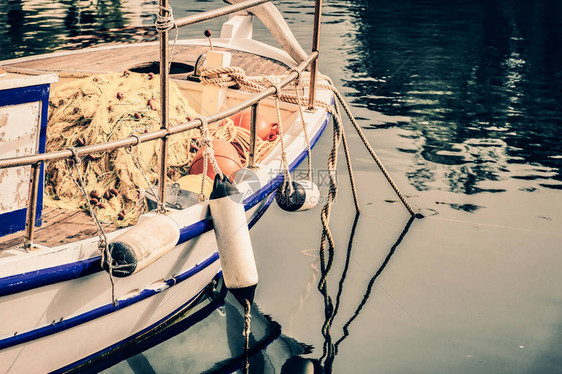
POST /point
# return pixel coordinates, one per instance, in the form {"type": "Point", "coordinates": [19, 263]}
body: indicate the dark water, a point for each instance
{"type": "Point", "coordinates": [481, 82]}
{"type": "Point", "coordinates": [463, 102]}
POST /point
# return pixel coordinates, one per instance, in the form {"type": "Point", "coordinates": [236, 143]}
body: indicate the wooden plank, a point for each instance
{"type": "Point", "coordinates": [119, 59]}
{"type": "Point", "coordinates": [61, 226]}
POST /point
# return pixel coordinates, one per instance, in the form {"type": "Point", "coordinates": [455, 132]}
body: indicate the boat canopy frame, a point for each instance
{"type": "Point", "coordinates": [165, 130]}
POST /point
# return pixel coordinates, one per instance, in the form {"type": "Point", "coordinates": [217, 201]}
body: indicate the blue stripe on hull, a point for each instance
{"type": "Point", "coordinates": [103, 310]}
{"type": "Point", "coordinates": [43, 277]}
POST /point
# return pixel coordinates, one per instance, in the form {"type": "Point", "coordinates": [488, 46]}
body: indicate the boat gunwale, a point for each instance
{"type": "Point", "coordinates": [26, 281]}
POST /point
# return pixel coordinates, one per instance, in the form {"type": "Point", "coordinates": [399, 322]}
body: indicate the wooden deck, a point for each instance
{"type": "Point", "coordinates": [59, 226]}
{"type": "Point", "coordinates": [116, 59]}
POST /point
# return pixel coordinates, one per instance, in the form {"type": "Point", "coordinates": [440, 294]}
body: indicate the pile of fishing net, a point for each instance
{"type": "Point", "coordinates": [106, 107]}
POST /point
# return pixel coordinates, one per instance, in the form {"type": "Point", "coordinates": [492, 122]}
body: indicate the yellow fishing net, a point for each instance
{"type": "Point", "coordinates": [106, 107]}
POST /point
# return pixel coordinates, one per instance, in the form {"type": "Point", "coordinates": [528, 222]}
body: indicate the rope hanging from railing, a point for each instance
{"type": "Point", "coordinates": [137, 161]}
{"type": "Point", "coordinates": [305, 132]}
{"type": "Point", "coordinates": [287, 180]}
{"type": "Point", "coordinates": [102, 243]}
{"type": "Point", "coordinates": [347, 159]}
{"type": "Point", "coordinates": [370, 149]}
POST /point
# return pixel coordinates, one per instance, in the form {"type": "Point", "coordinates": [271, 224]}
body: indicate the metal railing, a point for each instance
{"type": "Point", "coordinates": [211, 14]}
{"type": "Point", "coordinates": [165, 130]}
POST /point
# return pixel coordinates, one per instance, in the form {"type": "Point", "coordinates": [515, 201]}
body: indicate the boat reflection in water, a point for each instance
{"type": "Point", "coordinates": [209, 339]}
{"type": "Point", "coordinates": [213, 343]}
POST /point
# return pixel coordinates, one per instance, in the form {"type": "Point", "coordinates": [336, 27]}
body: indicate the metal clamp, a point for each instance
{"type": "Point", "coordinates": [75, 156]}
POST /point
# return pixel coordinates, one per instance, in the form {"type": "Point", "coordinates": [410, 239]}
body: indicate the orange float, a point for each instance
{"type": "Point", "coordinates": [264, 130]}
{"type": "Point", "coordinates": [226, 156]}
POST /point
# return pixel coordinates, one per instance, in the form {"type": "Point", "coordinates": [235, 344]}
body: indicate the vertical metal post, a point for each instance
{"type": "Point", "coordinates": [31, 205]}
{"type": "Point", "coordinates": [164, 92]}
{"type": "Point", "coordinates": [253, 120]}
{"type": "Point", "coordinates": [315, 46]}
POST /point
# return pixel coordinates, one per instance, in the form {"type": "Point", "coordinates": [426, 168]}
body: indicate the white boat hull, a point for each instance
{"type": "Point", "coordinates": [90, 297]}
{"type": "Point", "coordinates": [56, 303]}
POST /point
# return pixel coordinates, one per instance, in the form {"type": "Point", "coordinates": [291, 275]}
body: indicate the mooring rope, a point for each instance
{"type": "Point", "coordinates": [102, 243]}
{"type": "Point", "coordinates": [327, 243]}
{"type": "Point", "coordinates": [348, 162]}
{"type": "Point", "coordinates": [235, 76]}
{"type": "Point", "coordinates": [246, 334]}
{"type": "Point", "coordinates": [370, 148]}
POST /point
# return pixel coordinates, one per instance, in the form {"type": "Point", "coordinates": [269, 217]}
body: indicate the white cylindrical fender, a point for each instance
{"type": "Point", "coordinates": [151, 238]}
{"type": "Point", "coordinates": [233, 238]}
{"type": "Point", "coordinates": [305, 196]}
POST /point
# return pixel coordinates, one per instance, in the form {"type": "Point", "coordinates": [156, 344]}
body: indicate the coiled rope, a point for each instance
{"type": "Point", "coordinates": [165, 22]}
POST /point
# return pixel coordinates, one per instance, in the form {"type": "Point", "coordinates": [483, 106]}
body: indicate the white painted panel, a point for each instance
{"type": "Point", "coordinates": [25, 79]}
{"type": "Point", "coordinates": [19, 134]}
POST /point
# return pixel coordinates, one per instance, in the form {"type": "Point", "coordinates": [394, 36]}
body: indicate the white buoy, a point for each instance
{"type": "Point", "coordinates": [233, 238]}
{"type": "Point", "coordinates": [305, 196]}
{"type": "Point", "coordinates": [151, 238]}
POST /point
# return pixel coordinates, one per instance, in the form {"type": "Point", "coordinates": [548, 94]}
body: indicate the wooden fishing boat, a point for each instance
{"type": "Point", "coordinates": [59, 307]}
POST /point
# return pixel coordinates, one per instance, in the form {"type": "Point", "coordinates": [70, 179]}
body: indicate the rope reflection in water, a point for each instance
{"type": "Point", "coordinates": [330, 350]}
